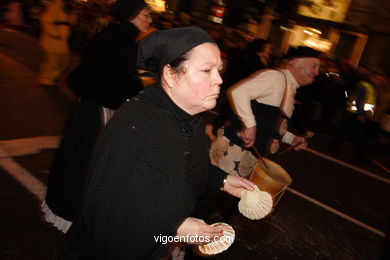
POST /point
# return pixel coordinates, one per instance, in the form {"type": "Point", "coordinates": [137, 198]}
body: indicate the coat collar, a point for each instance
{"type": "Point", "coordinates": [158, 96]}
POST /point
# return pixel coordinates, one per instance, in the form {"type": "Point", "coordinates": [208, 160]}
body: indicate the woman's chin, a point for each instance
{"type": "Point", "coordinates": [210, 104]}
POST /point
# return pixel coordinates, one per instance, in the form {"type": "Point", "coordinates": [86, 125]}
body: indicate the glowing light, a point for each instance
{"type": "Point", "coordinates": [283, 28]}
{"type": "Point", "coordinates": [215, 19]}
{"type": "Point", "coordinates": [367, 107]}
{"type": "Point", "coordinates": [334, 10]}
{"type": "Point", "coordinates": [308, 32]}
{"type": "Point", "coordinates": [312, 31]}
{"type": "Point", "coordinates": [316, 31]}
{"type": "Point", "coordinates": [319, 44]}
{"type": "Point", "coordinates": [156, 5]}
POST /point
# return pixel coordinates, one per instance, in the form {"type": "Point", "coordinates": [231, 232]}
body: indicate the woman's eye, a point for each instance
{"type": "Point", "coordinates": [207, 70]}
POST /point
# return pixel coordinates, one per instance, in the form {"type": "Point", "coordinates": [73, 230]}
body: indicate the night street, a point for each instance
{"type": "Point", "coordinates": [336, 208]}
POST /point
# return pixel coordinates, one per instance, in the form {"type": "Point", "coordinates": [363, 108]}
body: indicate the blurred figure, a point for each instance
{"type": "Point", "coordinates": [382, 108]}
{"type": "Point", "coordinates": [106, 75]}
{"type": "Point", "coordinates": [323, 101]}
{"type": "Point", "coordinates": [13, 16]}
{"type": "Point", "coordinates": [358, 117]}
{"type": "Point", "coordinates": [258, 56]}
{"type": "Point", "coordinates": [104, 80]}
{"type": "Point", "coordinates": [264, 102]}
{"type": "Point", "coordinates": [34, 10]}
{"type": "Point", "coordinates": [362, 101]}
{"type": "Point", "coordinates": [56, 22]}
{"type": "Point", "coordinates": [246, 58]}
{"type": "Point", "coordinates": [252, 27]}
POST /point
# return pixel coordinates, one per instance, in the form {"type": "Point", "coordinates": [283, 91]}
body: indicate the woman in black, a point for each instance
{"type": "Point", "coordinates": [151, 171]}
{"type": "Point", "coordinates": [104, 80]}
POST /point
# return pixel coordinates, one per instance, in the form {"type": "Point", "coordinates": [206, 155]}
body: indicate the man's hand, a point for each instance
{"type": "Point", "coordinates": [299, 143]}
{"type": "Point", "coordinates": [248, 136]}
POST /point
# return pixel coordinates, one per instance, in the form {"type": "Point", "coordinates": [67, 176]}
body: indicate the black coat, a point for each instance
{"type": "Point", "coordinates": [107, 73]}
{"type": "Point", "coordinates": [67, 173]}
{"type": "Point", "coordinates": [106, 77]}
{"type": "Point", "coordinates": [150, 171]}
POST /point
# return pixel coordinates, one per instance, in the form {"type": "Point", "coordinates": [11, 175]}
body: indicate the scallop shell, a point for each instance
{"type": "Point", "coordinates": [223, 243]}
{"type": "Point", "coordinates": [255, 204]}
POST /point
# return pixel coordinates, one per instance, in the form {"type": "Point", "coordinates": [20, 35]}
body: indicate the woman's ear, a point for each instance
{"type": "Point", "coordinates": [168, 75]}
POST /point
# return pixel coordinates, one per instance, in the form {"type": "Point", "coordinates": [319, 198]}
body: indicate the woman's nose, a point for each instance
{"type": "Point", "coordinates": [218, 79]}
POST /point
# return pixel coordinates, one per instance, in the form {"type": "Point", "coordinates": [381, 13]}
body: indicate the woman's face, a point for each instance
{"type": "Point", "coordinates": [196, 88]}
{"type": "Point", "coordinates": [143, 20]}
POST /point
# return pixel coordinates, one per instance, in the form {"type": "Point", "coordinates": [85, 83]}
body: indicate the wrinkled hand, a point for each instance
{"type": "Point", "coordinates": [197, 227]}
{"type": "Point", "coordinates": [234, 185]}
{"type": "Point", "coordinates": [248, 136]}
{"type": "Point", "coordinates": [300, 143]}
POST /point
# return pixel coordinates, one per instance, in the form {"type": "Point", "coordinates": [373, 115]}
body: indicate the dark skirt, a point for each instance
{"type": "Point", "coordinates": [70, 164]}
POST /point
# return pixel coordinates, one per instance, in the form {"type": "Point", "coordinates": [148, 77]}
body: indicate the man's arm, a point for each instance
{"type": "Point", "coordinates": [267, 87]}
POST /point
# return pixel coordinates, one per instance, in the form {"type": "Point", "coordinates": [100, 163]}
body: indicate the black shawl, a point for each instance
{"type": "Point", "coordinates": [150, 171]}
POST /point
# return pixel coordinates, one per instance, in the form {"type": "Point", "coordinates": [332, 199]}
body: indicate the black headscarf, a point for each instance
{"type": "Point", "coordinates": [126, 9]}
{"type": "Point", "coordinates": [302, 52]}
{"type": "Point", "coordinates": [163, 47]}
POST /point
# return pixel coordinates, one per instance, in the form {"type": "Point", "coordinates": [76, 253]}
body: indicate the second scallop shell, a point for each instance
{"type": "Point", "coordinates": [220, 245]}
{"type": "Point", "coordinates": [255, 204]}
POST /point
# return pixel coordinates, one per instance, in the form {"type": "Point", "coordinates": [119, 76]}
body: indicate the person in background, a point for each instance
{"type": "Point", "coordinates": [357, 121]}
{"type": "Point", "coordinates": [322, 101]}
{"type": "Point", "coordinates": [382, 110]}
{"type": "Point", "coordinates": [104, 80]}
{"type": "Point", "coordinates": [257, 56]}
{"type": "Point", "coordinates": [265, 100]}
{"type": "Point", "coordinates": [363, 99]}
{"type": "Point", "coordinates": [150, 172]}
{"type": "Point", "coordinates": [262, 103]}
{"type": "Point", "coordinates": [13, 16]}
{"type": "Point", "coordinates": [107, 73]}
{"type": "Point", "coordinates": [56, 22]}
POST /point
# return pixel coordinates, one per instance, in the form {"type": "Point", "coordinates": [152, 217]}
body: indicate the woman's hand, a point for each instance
{"type": "Point", "coordinates": [234, 185]}
{"type": "Point", "coordinates": [197, 232]}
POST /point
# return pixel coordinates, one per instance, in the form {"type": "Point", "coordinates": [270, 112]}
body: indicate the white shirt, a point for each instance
{"type": "Point", "coordinates": [266, 87]}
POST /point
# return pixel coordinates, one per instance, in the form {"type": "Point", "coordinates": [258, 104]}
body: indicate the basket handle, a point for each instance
{"type": "Point", "coordinates": [260, 156]}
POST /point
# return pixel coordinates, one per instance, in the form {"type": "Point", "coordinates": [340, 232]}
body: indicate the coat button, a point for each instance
{"type": "Point", "coordinates": [186, 153]}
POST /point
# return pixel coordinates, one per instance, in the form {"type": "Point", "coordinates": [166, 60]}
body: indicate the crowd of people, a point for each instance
{"type": "Point", "coordinates": [205, 77]}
